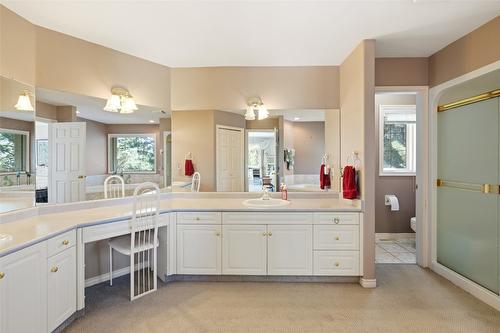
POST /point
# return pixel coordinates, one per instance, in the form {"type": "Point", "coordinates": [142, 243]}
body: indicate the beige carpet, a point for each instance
{"type": "Point", "coordinates": [408, 299]}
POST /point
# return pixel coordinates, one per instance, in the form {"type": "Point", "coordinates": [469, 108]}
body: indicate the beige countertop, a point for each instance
{"type": "Point", "coordinates": [28, 227]}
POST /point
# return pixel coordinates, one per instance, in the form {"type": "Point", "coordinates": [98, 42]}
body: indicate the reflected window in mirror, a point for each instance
{"type": "Point", "coordinates": [14, 151]}
{"type": "Point", "coordinates": [132, 153]}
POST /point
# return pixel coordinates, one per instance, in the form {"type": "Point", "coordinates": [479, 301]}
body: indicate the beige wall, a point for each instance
{"type": "Point", "coordinates": [268, 123]}
{"type": "Point", "coordinates": [227, 88]}
{"type": "Point", "coordinates": [387, 221]}
{"type": "Point", "coordinates": [193, 131]}
{"type": "Point", "coordinates": [401, 71]}
{"type": "Point", "coordinates": [96, 148]}
{"type": "Point", "coordinates": [309, 144]}
{"type": "Point", "coordinates": [17, 47]}
{"type": "Point", "coordinates": [475, 50]}
{"type": "Point", "coordinates": [357, 91]}
{"type": "Point", "coordinates": [332, 144]}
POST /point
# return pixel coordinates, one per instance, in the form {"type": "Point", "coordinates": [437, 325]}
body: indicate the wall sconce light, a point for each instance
{"type": "Point", "coordinates": [24, 102]}
{"type": "Point", "coordinates": [120, 101]}
{"type": "Point", "coordinates": [255, 105]}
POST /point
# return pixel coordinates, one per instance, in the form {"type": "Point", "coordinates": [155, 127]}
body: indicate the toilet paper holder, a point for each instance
{"type": "Point", "coordinates": [392, 200]}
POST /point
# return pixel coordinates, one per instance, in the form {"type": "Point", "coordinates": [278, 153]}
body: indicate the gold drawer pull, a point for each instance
{"type": "Point", "coordinates": [337, 264]}
{"type": "Point", "coordinates": [54, 269]}
{"type": "Point", "coordinates": [197, 218]}
{"type": "Point", "coordinates": [65, 242]}
{"type": "Point", "coordinates": [337, 238]}
{"type": "Point", "coordinates": [217, 234]}
{"type": "Point", "coordinates": [270, 233]}
{"type": "Point", "coordinates": [2, 275]}
{"type": "Point", "coordinates": [264, 234]}
{"type": "Point", "coordinates": [336, 220]}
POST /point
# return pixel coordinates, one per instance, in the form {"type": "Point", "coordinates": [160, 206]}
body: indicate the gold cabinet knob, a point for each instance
{"type": "Point", "coordinates": [197, 218]}
{"type": "Point", "coordinates": [2, 275]}
{"type": "Point", "coordinates": [270, 233]}
{"type": "Point", "coordinates": [217, 233]}
{"type": "Point", "coordinates": [65, 242]}
{"type": "Point", "coordinates": [337, 264]}
{"type": "Point", "coordinates": [336, 220]}
{"type": "Point", "coordinates": [54, 269]}
{"type": "Point", "coordinates": [82, 177]}
{"type": "Point", "coordinates": [264, 234]}
{"type": "Point", "coordinates": [337, 238]}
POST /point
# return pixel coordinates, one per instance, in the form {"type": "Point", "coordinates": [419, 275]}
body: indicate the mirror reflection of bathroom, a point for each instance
{"type": "Point", "coordinates": [80, 146]}
{"type": "Point", "coordinates": [17, 116]}
{"type": "Point", "coordinates": [396, 205]}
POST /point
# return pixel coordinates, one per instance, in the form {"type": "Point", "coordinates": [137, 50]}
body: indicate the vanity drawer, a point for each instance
{"type": "Point", "coordinates": [61, 242]}
{"type": "Point", "coordinates": [336, 237]}
{"type": "Point", "coordinates": [336, 263]}
{"type": "Point", "coordinates": [199, 218]}
{"type": "Point", "coordinates": [267, 218]}
{"type": "Point", "coordinates": [336, 218]}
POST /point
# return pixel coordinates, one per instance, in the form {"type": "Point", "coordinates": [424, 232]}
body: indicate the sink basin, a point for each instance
{"type": "Point", "coordinates": [5, 237]}
{"type": "Point", "coordinates": [260, 203]}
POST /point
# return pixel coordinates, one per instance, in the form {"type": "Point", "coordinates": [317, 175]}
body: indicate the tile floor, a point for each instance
{"type": "Point", "coordinates": [395, 251]}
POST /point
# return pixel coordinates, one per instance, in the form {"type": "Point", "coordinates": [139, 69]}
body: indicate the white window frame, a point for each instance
{"type": "Point", "coordinates": [115, 135]}
{"type": "Point", "coordinates": [410, 142]}
{"type": "Point", "coordinates": [27, 154]}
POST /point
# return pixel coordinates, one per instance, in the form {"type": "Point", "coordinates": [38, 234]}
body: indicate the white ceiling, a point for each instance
{"type": "Point", "coordinates": [91, 108]}
{"type": "Point", "coordinates": [261, 33]}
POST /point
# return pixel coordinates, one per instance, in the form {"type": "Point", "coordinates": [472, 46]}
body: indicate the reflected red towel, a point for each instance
{"type": "Point", "coordinates": [326, 179]}
{"type": "Point", "coordinates": [188, 168]}
{"type": "Point", "coordinates": [322, 176]}
{"type": "Point", "coordinates": [349, 188]}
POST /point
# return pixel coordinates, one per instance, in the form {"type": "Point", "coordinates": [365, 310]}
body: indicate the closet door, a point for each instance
{"type": "Point", "coordinates": [467, 209]}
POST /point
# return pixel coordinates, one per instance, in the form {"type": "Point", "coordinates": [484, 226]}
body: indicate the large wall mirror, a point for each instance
{"type": "Point", "coordinates": [87, 153]}
{"type": "Point", "coordinates": [232, 154]}
{"type": "Point", "coordinates": [17, 145]}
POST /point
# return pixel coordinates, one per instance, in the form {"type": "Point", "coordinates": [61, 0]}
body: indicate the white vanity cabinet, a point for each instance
{"type": "Point", "coordinates": [244, 249]}
{"type": "Point", "coordinates": [199, 249]}
{"type": "Point", "coordinates": [289, 250]}
{"type": "Point", "coordinates": [61, 291]}
{"type": "Point", "coordinates": [23, 290]}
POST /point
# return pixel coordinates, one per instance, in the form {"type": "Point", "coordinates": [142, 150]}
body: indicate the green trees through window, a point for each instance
{"type": "Point", "coordinates": [131, 153]}
{"type": "Point", "coordinates": [13, 151]}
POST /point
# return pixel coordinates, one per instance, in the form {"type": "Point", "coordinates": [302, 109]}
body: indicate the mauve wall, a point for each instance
{"type": "Point", "coordinates": [387, 221]}
{"type": "Point", "coordinates": [309, 143]}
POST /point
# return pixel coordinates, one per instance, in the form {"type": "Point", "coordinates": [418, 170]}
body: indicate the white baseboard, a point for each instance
{"type": "Point", "coordinates": [105, 277]}
{"type": "Point", "coordinates": [469, 286]}
{"type": "Point", "coordinates": [395, 235]}
{"type": "Point", "coordinates": [368, 283]}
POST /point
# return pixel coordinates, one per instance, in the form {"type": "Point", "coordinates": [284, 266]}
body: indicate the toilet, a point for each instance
{"type": "Point", "coordinates": [413, 224]}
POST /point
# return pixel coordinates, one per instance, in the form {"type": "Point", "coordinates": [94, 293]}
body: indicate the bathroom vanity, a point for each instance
{"type": "Point", "coordinates": [42, 258]}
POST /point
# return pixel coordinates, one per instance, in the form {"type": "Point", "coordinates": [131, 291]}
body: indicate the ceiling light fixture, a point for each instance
{"type": "Point", "coordinates": [255, 105]}
{"type": "Point", "coordinates": [24, 102]}
{"type": "Point", "coordinates": [120, 101]}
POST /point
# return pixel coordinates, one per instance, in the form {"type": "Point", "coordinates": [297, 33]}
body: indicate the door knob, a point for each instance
{"type": "Point", "coordinates": [81, 177]}
{"type": "Point", "coordinates": [54, 269]}
{"type": "Point", "coordinates": [2, 275]}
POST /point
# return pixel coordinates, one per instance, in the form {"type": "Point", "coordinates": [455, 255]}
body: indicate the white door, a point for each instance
{"type": "Point", "coordinates": [61, 270]}
{"type": "Point", "coordinates": [66, 162]}
{"type": "Point", "coordinates": [230, 159]}
{"type": "Point", "coordinates": [244, 249]}
{"type": "Point", "coordinates": [289, 250]}
{"type": "Point", "coordinates": [199, 249]}
{"type": "Point", "coordinates": [23, 290]}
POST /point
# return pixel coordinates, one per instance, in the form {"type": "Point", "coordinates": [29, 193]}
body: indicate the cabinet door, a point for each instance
{"type": "Point", "coordinates": [61, 270]}
{"type": "Point", "coordinates": [199, 249]}
{"type": "Point", "coordinates": [244, 249]}
{"type": "Point", "coordinates": [23, 290]}
{"type": "Point", "coordinates": [289, 250]}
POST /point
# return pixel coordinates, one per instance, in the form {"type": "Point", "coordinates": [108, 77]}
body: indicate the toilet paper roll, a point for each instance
{"type": "Point", "coordinates": [392, 200]}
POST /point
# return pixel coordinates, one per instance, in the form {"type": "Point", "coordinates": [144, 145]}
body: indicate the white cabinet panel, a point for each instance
{"type": "Point", "coordinates": [289, 249]}
{"type": "Point", "coordinates": [244, 249]}
{"type": "Point", "coordinates": [61, 270]}
{"type": "Point", "coordinates": [23, 290]}
{"type": "Point", "coordinates": [340, 263]}
{"type": "Point", "coordinates": [199, 249]}
{"type": "Point", "coordinates": [336, 237]}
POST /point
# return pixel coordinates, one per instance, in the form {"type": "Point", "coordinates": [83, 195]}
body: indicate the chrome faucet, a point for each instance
{"type": "Point", "coordinates": [265, 195]}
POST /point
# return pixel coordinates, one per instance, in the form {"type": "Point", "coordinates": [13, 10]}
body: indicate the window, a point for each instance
{"type": "Point", "coordinates": [132, 153]}
{"type": "Point", "coordinates": [14, 151]}
{"type": "Point", "coordinates": [397, 140]}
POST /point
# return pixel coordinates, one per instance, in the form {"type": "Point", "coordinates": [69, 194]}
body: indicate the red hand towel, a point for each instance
{"type": "Point", "coordinates": [326, 179]}
{"type": "Point", "coordinates": [188, 168]}
{"type": "Point", "coordinates": [322, 176]}
{"type": "Point", "coordinates": [349, 188]}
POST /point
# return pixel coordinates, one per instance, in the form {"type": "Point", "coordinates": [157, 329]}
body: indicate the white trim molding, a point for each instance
{"type": "Point", "coordinates": [368, 283]}
{"type": "Point", "coordinates": [469, 286]}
